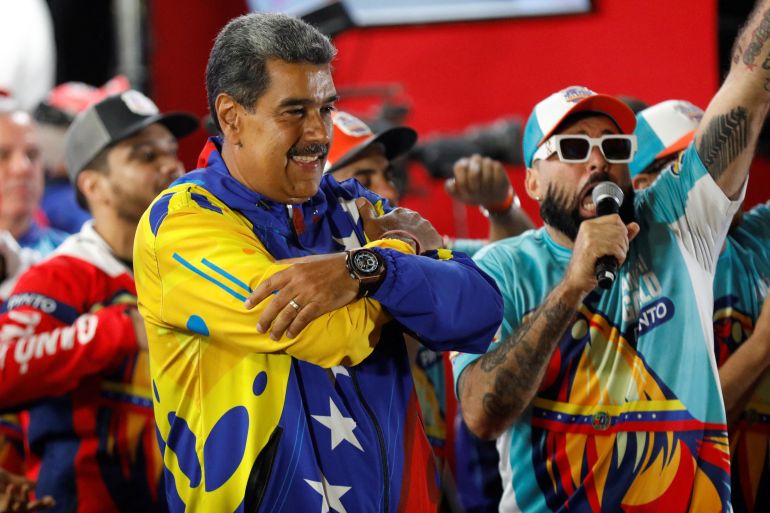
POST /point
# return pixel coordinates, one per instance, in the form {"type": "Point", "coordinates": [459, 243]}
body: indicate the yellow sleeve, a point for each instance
{"type": "Point", "coordinates": [195, 268]}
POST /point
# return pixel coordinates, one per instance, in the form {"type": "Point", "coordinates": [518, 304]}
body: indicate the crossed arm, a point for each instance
{"type": "Point", "coordinates": [197, 279]}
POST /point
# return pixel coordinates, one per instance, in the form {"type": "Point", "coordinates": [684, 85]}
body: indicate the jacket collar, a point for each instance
{"type": "Point", "coordinates": [286, 230]}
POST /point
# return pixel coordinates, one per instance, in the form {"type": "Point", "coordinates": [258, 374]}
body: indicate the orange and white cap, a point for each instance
{"type": "Point", "coordinates": [662, 130]}
{"type": "Point", "coordinates": [549, 114]}
{"type": "Point", "coordinates": [352, 136]}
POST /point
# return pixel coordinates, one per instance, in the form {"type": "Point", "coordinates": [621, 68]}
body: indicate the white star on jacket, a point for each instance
{"type": "Point", "coordinates": [330, 494]}
{"type": "Point", "coordinates": [340, 370]}
{"type": "Point", "coordinates": [351, 241]}
{"type": "Point", "coordinates": [351, 208]}
{"type": "Point", "coordinates": [341, 427]}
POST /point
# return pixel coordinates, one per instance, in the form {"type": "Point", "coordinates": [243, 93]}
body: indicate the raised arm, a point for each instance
{"type": "Point", "coordinates": [483, 181]}
{"type": "Point", "coordinates": [727, 135]}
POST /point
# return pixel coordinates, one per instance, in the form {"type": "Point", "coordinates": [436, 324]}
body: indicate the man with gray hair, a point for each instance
{"type": "Point", "coordinates": [301, 399]}
{"type": "Point", "coordinates": [21, 181]}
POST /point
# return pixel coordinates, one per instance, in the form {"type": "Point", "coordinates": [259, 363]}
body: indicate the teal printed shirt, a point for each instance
{"type": "Point", "coordinates": [630, 410]}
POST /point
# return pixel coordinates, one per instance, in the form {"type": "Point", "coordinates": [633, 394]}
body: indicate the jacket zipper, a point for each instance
{"type": "Point", "coordinates": [380, 440]}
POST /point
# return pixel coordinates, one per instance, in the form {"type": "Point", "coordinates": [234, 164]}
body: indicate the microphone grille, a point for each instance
{"type": "Point", "coordinates": [607, 190]}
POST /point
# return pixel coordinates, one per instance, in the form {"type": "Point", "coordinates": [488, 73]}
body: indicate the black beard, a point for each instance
{"type": "Point", "coordinates": [562, 213]}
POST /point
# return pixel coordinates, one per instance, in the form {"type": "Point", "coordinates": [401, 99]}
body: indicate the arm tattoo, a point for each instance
{"type": "Point", "coordinates": [723, 140]}
{"type": "Point", "coordinates": [517, 378]}
{"type": "Point", "coordinates": [759, 37]}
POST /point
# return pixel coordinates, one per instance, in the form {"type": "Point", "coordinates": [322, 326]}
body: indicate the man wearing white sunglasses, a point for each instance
{"type": "Point", "coordinates": [609, 400]}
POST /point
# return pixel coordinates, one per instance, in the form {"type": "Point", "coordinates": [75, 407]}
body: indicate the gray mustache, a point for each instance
{"type": "Point", "coordinates": [310, 149]}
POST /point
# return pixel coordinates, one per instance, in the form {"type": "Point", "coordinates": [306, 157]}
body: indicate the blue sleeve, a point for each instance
{"type": "Point", "coordinates": [498, 261]}
{"type": "Point", "coordinates": [443, 297]}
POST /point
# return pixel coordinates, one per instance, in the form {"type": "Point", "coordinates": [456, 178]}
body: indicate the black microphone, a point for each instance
{"type": "Point", "coordinates": [607, 197]}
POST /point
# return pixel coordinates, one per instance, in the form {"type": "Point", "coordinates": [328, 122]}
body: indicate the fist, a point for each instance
{"type": "Point", "coordinates": [479, 181]}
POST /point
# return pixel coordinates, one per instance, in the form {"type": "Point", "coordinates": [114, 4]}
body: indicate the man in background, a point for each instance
{"type": "Point", "coordinates": [21, 181]}
{"type": "Point", "coordinates": [741, 311]}
{"type": "Point", "coordinates": [54, 115]}
{"type": "Point", "coordinates": [359, 153]}
{"type": "Point", "coordinates": [469, 465]}
{"type": "Point", "coordinates": [73, 354]}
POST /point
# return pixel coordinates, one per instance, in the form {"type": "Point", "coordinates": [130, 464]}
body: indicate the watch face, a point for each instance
{"type": "Point", "coordinates": [365, 262]}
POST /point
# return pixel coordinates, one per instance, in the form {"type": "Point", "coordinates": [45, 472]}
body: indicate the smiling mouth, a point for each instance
{"type": "Point", "coordinates": [309, 154]}
{"type": "Point", "coordinates": [306, 159]}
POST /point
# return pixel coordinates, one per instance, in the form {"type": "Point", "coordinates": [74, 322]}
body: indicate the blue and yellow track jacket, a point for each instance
{"type": "Point", "coordinates": [327, 421]}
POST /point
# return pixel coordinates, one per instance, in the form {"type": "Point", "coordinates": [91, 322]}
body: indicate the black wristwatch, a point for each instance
{"type": "Point", "coordinates": [366, 266]}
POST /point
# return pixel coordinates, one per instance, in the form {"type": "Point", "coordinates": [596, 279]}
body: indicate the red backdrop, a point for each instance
{"type": "Point", "coordinates": [458, 74]}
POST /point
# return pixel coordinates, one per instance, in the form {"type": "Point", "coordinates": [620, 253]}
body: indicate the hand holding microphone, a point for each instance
{"type": "Point", "coordinates": [601, 244]}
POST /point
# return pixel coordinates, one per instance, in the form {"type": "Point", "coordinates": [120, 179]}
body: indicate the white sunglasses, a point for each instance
{"type": "Point", "coordinates": [576, 148]}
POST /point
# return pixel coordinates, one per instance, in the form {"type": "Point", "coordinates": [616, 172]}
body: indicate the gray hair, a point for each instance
{"type": "Point", "coordinates": [237, 63]}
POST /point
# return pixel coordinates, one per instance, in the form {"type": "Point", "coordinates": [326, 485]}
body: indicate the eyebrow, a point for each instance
{"type": "Point", "coordinates": [291, 102]}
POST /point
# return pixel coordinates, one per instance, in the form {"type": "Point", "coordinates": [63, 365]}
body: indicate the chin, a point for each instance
{"type": "Point", "coordinates": [299, 197]}
{"type": "Point", "coordinates": [305, 191]}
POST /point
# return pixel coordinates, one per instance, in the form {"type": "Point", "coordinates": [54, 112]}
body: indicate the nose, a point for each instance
{"type": "Point", "coordinates": [20, 163]}
{"type": "Point", "coordinates": [171, 167]}
{"type": "Point", "coordinates": [318, 128]}
{"type": "Point", "coordinates": [387, 190]}
{"type": "Point", "coordinates": [596, 161]}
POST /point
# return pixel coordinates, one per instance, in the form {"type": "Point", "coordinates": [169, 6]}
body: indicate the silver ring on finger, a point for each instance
{"type": "Point", "coordinates": [294, 305]}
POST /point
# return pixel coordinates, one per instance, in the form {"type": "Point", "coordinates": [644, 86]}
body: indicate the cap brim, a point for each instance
{"type": "Point", "coordinates": [397, 140]}
{"type": "Point", "coordinates": [621, 113]}
{"type": "Point", "coordinates": [682, 143]}
{"type": "Point", "coordinates": [179, 124]}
